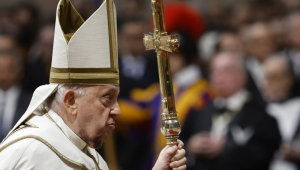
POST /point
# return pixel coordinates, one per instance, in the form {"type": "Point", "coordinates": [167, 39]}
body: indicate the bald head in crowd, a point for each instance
{"type": "Point", "coordinates": [279, 78]}
{"type": "Point", "coordinates": [228, 74]}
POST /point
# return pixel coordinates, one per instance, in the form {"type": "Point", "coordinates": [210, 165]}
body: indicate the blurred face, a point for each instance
{"type": "Point", "coordinates": [6, 43]}
{"type": "Point", "coordinates": [226, 75]}
{"type": "Point", "coordinates": [231, 43]}
{"type": "Point", "coordinates": [46, 43]}
{"type": "Point", "coordinates": [261, 46]}
{"type": "Point", "coordinates": [23, 17]}
{"type": "Point", "coordinates": [259, 41]}
{"type": "Point", "coordinates": [9, 73]}
{"type": "Point", "coordinates": [177, 62]}
{"type": "Point", "coordinates": [133, 34]}
{"type": "Point", "coordinates": [96, 112]}
{"type": "Point", "coordinates": [278, 82]}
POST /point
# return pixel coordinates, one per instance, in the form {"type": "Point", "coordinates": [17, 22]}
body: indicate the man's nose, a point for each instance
{"type": "Point", "coordinates": [116, 110]}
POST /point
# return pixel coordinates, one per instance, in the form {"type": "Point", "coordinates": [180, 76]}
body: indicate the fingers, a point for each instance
{"type": "Point", "coordinates": [180, 144]}
{"type": "Point", "coordinates": [170, 152]}
{"type": "Point", "coordinates": [183, 167]}
{"type": "Point", "coordinates": [179, 155]}
{"type": "Point", "coordinates": [178, 163]}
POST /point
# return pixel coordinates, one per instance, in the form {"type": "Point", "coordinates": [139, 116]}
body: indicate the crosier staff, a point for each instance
{"type": "Point", "coordinates": [163, 44]}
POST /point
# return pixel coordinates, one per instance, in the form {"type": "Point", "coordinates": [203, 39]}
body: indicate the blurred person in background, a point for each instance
{"type": "Point", "coordinates": [139, 68]}
{"type": "Point", "coordinates": [191, 90]}
{"type": "Point", "coordinates": [128, 9]}
{"type": "Point", "coordinates": [291, 4]}
{"type": "Point", "coordinates": [259, 45]}
{"type": "Point", "coordinates": [282, 93]}
{"type": "Point", "coordinates": [39, 61]}
{"type": "Point", "coordinates": [13, 98]}
{"type": "Point", "coordinates": [230, 42]}
{"type": "Point", "coordinates": [278, 30]}
{"type": "Point", "coordinates": [137, 65]}
{"type": "Point", "coordinates": [25, 16]}
{"type": "Point", "coordinates": [216, 15]}
{"type": "Point", "coordinates": [240, 15]}
{"type": "Point", "coordinates": [6, 24]}
{"type": "Point", "coordinates": [293, 27]}
{"type": "Point", "coordinates": [234, 131]}
{"type": "Point", "coordinates": [140, 104]}
{"type": "Point", "coordinates": [7, 42]}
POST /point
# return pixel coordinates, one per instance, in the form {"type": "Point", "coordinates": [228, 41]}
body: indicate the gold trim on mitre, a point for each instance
{"type": "Point", "coordinates": [112, 33]}
{"type": "Point", "coordinates": [84, 75]}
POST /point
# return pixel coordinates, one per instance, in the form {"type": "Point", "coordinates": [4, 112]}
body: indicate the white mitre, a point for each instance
{"type": "Point", "coordinates": [84, 52]}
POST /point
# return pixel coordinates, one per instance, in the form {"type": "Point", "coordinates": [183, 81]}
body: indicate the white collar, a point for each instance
{"type": "Point", "coordinates": [11, 91]}
{"type": "Point", "coordinates": [76, 140]}
{"type": "Point", "coordinates": [234, 102]}
{"type": "Point", "coordinates": [187, 76]}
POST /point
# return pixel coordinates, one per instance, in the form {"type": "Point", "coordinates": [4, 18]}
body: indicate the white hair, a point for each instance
{"type": "Point", "coordinates": [56, 99]}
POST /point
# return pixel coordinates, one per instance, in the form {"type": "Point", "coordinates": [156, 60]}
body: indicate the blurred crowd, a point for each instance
{"type": "Point", "coordinates": [236, 79]}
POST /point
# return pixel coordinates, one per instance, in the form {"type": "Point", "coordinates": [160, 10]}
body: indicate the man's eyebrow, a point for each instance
{"type": "Point", "coordinates": [111, 90]}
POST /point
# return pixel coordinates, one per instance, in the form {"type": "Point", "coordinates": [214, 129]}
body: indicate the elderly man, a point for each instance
{"type": "Point", "coordinates": [73, 115]}
{"type": "Point", "coordinates": [234, 131]}
{"type": "Point", "coordinates": [281, 91]}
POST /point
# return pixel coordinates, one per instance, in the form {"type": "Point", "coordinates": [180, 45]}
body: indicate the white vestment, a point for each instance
{"type": "Point", "coordinates": [45, 142]}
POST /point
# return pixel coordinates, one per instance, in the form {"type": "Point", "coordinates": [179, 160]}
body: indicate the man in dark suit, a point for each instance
{"type": "Point", "coordinates": [234, 132]}
{"type": "Point", "coordinates": [13, 99]}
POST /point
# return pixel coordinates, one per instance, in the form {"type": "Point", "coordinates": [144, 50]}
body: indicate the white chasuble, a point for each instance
{"type": "Point", "coordinates": [40, 144]}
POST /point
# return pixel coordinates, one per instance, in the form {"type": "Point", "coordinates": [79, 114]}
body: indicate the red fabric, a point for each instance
{"type": "Point", "coordinates": [181, 17]}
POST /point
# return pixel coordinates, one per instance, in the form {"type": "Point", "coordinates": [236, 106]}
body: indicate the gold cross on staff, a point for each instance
{"type": "Point", "coordinates": [167, 43]}
{"type": "Point", "coordinates": [163, 43]}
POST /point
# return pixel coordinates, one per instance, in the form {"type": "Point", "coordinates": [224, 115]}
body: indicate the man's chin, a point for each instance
{"type": "Point", "coordinates": [98, 142]}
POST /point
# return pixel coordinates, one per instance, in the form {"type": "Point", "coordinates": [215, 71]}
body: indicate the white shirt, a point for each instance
{"type": "Point", "coordinates": [10, 98]}
{"type": "Point", "coordinates": [187, 76]}
{"type": "Point", "coordinates": [288, 117]}
{"type": "Point", "coordinates": [134, 67]}
{"type": "Point", "coordinates": [234, 103]}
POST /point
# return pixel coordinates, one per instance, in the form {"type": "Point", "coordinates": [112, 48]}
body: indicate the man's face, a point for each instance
{"type": "Point", "coordinates": [226, 76]}
{"type": "Point", "coordinates": [232, 43]}
{"type": "Point", "coordinates": [278, 82]}
{"type": "Point", "coordinates": [261, 46]}
{"type": "Point", "coordinates": [132, 34]}
{"type": "Point", "coordinates": [97, 109]}
{"type": "Point", "coordinates": [177, 62]}
{"type": "Point", "coordinates": [9, 74]}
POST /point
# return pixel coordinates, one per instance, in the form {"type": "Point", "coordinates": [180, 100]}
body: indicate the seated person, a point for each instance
{"type": "Point", "coordinates": [234, 132]}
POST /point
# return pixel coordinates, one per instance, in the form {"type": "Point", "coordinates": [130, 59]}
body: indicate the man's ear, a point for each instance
{"type": "Point", "coordinates": [69, 102]}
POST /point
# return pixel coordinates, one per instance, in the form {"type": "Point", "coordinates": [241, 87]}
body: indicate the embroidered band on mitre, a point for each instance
{"type": "Point", "coordinates": [84, 52]}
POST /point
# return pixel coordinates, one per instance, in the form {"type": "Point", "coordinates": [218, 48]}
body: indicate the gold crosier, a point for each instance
{"type": "Point", "coordinates": [163, 43]}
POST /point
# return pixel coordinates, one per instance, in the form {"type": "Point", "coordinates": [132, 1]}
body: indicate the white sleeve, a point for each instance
{"type": "Point", "coordinates": [10, 156]}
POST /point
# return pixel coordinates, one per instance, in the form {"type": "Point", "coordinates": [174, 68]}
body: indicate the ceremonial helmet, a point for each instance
{"type": "Point", "coordinates": [84, 52]}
